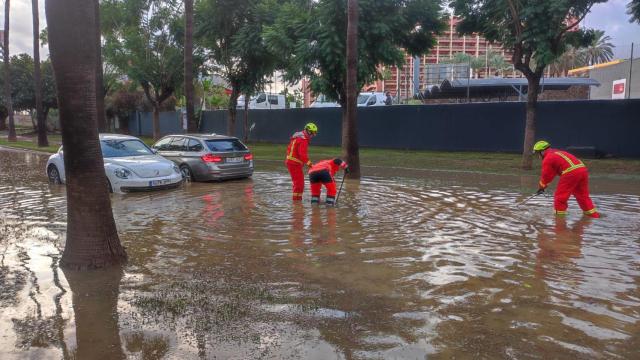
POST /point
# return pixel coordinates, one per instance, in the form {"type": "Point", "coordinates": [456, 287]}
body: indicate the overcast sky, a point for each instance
{"type": "Point", "coordinates": [611, 17]}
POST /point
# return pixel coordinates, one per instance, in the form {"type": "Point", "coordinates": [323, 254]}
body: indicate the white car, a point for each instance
{"type": "Point", "coordinates": [263, 101]}
{"type": "Point", "coordinates": [371, 99]}
{"type": "Point", "coordinates": [322, 102]}
{"type": "Point", "coordinates": [129, 164]}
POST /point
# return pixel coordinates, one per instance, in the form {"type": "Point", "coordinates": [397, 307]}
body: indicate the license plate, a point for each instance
{"type": "Point", "coordinates": [235, 159]}
{"type": "Point", "coordinates": [159, 182]}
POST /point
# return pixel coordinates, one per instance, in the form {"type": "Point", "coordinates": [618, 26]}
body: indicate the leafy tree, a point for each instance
{"type": "Point", "coordinates": [633, 9]}
{"type": "Point", "coordinates": [315, 34]}
{"type": "Point", "coordinates": [497, 62]}
{"type": "Point", "coordinates": [23, 92]}
{"type": "Point", "coordinates": [599, 50]}
{"type": "Point", "coordinates": [232, 33]}
{"type": "Point", "coordinates": [538, 32]}
{"type": "Point", "coordinates": [143, 40]}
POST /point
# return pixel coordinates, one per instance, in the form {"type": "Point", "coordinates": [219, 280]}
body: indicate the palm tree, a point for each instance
{"type": "Point", "coordinates": [600, 50]}
{"type": "Point", "coordinates": [633, 9]}
{"type": "Point", "coordinates": [571, 58]}
{"type": "Point", "coordinates": [188, 65]}
{"type": "Point", "coordinates": [92, 239]}
{"type": "Point", "coordinates": [350, 148]}
{"type": "Point", "coordinates": [7, 73]}
{"type": "Point", "coordinates": [37, 82]}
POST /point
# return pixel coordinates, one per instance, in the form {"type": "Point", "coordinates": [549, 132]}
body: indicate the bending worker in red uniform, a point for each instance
{"type": "Point", "coordinates": [574, 179]}
{"type": "Point", "coordinates": [322, 173]}
{"type": "Point", "coordinates": [297, 157]}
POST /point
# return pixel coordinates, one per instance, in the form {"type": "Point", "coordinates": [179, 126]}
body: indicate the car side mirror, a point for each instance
{"type": "Point", "coordinates": [154, 150]}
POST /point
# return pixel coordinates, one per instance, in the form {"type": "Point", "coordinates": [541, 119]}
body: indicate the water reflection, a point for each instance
{"type": "Point", "coordinates": [417, 266]}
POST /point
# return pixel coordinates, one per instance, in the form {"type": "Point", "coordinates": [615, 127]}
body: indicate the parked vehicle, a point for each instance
{"type": "Point", "coordinates": [322, 101]}
{"type": "Point", "coordinates": [129, 164]}
{"type": "Point", "coordinates": [264, 101]}
{"type": "Point", "coordinates": [371, 99]}
{"type": "Point", "coordinates": [207, 157]}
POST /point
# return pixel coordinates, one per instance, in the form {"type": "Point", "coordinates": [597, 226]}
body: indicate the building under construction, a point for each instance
{"type": "Point", "coordinates": [419, 73]}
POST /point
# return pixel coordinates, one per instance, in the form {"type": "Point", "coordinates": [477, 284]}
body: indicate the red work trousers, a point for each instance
{"type": "Point", "coordinates": [297, 177]}
{"type": "Point", "coordinates": [316, 188]}
{"type": "Point", "coordinates": [574, 183]}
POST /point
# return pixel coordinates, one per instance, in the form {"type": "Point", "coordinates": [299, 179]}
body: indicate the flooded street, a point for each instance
{"type": "Point", "coordinates": [409, 265]}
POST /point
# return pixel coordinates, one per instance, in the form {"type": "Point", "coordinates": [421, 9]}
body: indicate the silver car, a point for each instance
{"type": "Point", "coordinates": [207, 157]}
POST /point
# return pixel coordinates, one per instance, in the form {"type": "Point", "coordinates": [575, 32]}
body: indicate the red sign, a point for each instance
{"type": "Point", "coordinates": [618, 88]}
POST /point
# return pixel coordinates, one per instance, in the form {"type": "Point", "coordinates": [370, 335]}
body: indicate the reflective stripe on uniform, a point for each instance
{"type": "Point", "coordinates": [561, 213]}
{"type": "Point", "coordinates": [592, 211]}
{"type": "Point", "coordinates": [572, 166]}
{"type": "Point", "coordinates": [289, 157]}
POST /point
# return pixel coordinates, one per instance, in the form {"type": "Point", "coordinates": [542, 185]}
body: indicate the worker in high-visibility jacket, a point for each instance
{"type": "Point", "coordinates": [322, 173]}
{"type": "Point", "coordinates": [298, 157]}
{"type": "Point", "coordinates": [574, 179]}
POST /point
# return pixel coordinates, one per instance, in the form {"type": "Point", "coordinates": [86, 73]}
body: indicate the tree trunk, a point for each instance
{"type": "Point", "coordinates": [7, 74]}
{"type": "Point", "coordinates": [233, 104]}
{"type": "Point", "coordinates": [3, 122]}
{"type": "Point", "coordinates": [95, 307]}
{"type": "Point", "coordinates": [530, 124]}
{"type": "Point", "coordinates": [350, 148]}
{"type": "Point", "coordinates": [246, 118]}
{"type": "Point", "coordinates": [156, 121]}
{"type": "Point", "coordinates": [37, 82]}
{"type": "Point", "coordinates": [92, 238]}
{"type": "Point", "coordinates": [189, 90]}
{"type": "Point", "coordinates": [102, 123]}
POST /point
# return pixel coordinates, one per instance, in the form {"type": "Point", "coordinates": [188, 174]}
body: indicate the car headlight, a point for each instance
{"type": "Point", "coordinates": [176, 169]}
{"type": "Point", "coordinates": [122, 173]}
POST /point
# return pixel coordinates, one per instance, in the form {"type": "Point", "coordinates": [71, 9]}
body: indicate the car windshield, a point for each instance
{"type": "Point", "coordinates": [362, 99]}
{"type": "Point", "coordinates": [225, 145]}
{"type": "Point", "coordinates": [121, 148]}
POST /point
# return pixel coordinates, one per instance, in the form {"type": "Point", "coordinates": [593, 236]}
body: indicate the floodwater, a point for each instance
{"type": "Point", "coordinates": [410, 265]}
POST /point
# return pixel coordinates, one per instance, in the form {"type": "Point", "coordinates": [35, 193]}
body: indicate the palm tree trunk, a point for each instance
{"type": "Point", "coordinates": [350, 148]}
{"type": "Point", "coordinates": [7, 74]}
{"type": "Point", "coordinates": [92, 238]}
{"type": "Point", "coordinates": [37, 82]}
{"type": "Point", "coordinates": [530, 123]}
{"type": "Point", "coordinates": [188, 66]}
{"type": "Point", "coordinates": [102, 122]}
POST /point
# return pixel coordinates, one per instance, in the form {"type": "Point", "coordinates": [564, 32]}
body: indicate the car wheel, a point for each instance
{"type": "Point", "coordinates": [54, 175]}
{"type": "Point", "coordinates": [186, 173]}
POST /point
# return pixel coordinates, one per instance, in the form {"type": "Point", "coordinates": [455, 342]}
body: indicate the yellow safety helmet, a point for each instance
{"type": "Point", "coordinates": [541, 146]}
{"type": "Point", "coordinates": [311, 128]}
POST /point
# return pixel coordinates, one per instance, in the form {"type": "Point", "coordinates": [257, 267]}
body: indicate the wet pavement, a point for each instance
{"type": "Point", "coordinates": [410, 265]}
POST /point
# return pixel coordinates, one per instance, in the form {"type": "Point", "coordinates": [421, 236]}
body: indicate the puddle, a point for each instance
{"type": "Point", "coordinates": [407, 266]}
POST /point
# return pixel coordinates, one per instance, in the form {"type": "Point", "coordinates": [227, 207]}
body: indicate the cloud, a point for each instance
{"type": "Point", "coordinates": [613, 19]}
{"type": "Point", "coordinates": [21, 27]}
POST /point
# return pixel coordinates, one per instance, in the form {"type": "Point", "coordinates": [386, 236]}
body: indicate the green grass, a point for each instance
{"type": "Point", "coordinates": [501, 163]}
{"type": "Point", "coordinates": [30, 145]}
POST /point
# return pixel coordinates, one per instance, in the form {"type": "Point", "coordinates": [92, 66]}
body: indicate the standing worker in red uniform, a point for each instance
{"type": "Point", "coordinates": [297, 157]}
{"type": "Point", "coordinates": [322, 173]}
{"type": "Point", "coordinates": [574, 179]}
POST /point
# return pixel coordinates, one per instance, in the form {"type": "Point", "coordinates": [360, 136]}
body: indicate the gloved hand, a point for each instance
{"type": "Point", "coordinates": [346, 170]}
{"type": "Point", "coordinates": [540, 191]}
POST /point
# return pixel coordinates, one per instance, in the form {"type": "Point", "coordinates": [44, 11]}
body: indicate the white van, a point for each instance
{"type": "Point", "coordinates": [371, 99]}
{"type": "Point", "coordinates": [264, 101]}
